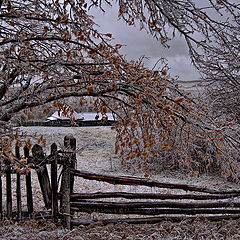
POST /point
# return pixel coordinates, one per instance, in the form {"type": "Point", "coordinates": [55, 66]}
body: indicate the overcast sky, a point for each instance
{"type": "Point", "coordinates": [138, 43]}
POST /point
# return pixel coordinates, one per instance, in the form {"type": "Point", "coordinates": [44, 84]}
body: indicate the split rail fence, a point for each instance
{"type": "Point", "coordinates": [63, 202]}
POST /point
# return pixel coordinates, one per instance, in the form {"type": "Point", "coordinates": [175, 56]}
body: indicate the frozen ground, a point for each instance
{"type": "Point", "coordinates": [97, 144]}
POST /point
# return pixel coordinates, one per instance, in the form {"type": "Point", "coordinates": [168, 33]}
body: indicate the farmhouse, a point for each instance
{"type": "Point", "coordinates": [91, 116]}
{"type": "Point", "coordinates": [59, 116]}
{"type": "Point", "coordinates": [81, 119]}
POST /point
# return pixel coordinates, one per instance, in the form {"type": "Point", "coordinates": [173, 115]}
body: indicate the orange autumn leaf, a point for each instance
{"type": "Point", "coordinates": [224, 174]}
{"type": "Point", "coordinates": [108, 35]}
{"type": "Point", "coordinates": [167, 107]}
{"type": "Point", "coordinates": [146, 175]}
{"type": "Point", "coordinates": [118, 46]}
{"type": "Point", "coordinates": [196, 172]}
{"type": "Point", "coordinates": [45, 29]}
{"type": "Point", "coordinates": [170, 165]}
{"type": "Point", "coordinates": [104, 119]}
{"type": "Point", "coordinates": [179, 99]}
{"type": "Point", "coordinates": [188, 159]}
{"type": "Point", "coordinates": [64, 85]}
{"type": "Point", "coordinates": [165, 147]}
{"type": "Point", "coordinates": [114, 86]}
{"type": "Point", "coordinates": [9, 6]}
{"type": "Point", "coordinates": [69, 54]}
{"type": "Point", "coordinates": [41, 140]}
{"type": "Point", "coordinates": [220, 2]}
{"type": "Point", "coordinates": [199, 136]}
{"type": "Point", "coordinates": [164, 72]}
{"type": "Point", "coordinates": [90, 89]}
{"type": "Point", "coordinates": [46, 111]}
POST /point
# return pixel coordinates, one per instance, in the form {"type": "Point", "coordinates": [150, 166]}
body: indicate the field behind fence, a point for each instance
{"type": "Point", "coordinates": [62, 200]}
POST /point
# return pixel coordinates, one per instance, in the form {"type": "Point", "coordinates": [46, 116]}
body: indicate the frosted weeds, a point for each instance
{"type": "Point", "coordinates": [97, 144]}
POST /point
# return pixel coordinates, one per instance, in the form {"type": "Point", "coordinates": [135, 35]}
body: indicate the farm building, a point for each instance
{"type": "Point", "coordinates": [59, 116]}
{"type": "Point", "coordinates": [81, 119]}
{"type": "Point", "coordinates": [91, 116]}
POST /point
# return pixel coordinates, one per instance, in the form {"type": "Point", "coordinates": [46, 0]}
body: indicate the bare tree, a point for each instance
{"type": "Point", "coordinates": [211, 29]}
{"type": "Point", "coordinates": [50, 51]}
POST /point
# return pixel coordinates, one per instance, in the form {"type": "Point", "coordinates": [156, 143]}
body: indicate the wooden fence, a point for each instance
{"type": "Point", "coordinates": [36, 161]}
{"type": "Point", "coordinates": [5, 169]}
{"type": "Point", "coordinates": [205, 203]}
{"type": "Point", "coordinates": [63, 202]}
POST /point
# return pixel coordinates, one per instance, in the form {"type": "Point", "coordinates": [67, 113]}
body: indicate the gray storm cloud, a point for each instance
{"type": "Point", "coordinates": [138, 43]}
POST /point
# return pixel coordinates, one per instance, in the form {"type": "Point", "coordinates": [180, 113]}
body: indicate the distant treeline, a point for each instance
{"type": "Point", "coordinates": [68, 123]}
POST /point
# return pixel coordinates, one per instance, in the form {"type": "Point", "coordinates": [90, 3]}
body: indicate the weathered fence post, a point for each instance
{"type": "Point", "coordinates": [68, 179]}
{"type": "Point", "coordinates": [18, 187]}
{"type": "Point", "coordinates": [65, 201]}
{"type": "Point", "coordinates": [70, 144]}
{"type": "Point", "coordinates": [54, 182]}
{"type": "Point", "coordinates": [9, 190]}
{"type": "Point", "coordinates": [43, 177]}
{"type": "Point", "coordinates": [28, 184]}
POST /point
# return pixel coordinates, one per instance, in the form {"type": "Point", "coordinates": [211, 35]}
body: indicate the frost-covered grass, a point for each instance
{"type": "Point", "coordinates": [97, 155]}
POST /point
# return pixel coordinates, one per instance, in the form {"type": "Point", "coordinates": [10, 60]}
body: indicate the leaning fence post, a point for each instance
{"type": "Point", "coordinates": [54, 182]}
{"type": "Point", "coordinates": [43, 177]}
{"type": "Point", "coordinates": [28, 184]}
{"type": "Point", "coordinates": [18, 187]}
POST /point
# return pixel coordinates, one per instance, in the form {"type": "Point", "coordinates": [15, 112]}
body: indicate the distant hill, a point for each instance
{"type": "Point", "coordinates": [194, 86]}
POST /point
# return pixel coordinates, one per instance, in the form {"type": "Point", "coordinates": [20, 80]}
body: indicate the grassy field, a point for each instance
{"type": "Point", "coordinates": [96, 148]}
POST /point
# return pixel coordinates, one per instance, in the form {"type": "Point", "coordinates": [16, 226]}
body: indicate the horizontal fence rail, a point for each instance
{"type": "Point", "coordinates": [205, 202]}
{"type": "Point", "coordinates": [127, 195]}
{"type": "Point", "coordinates": [126, 180]}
